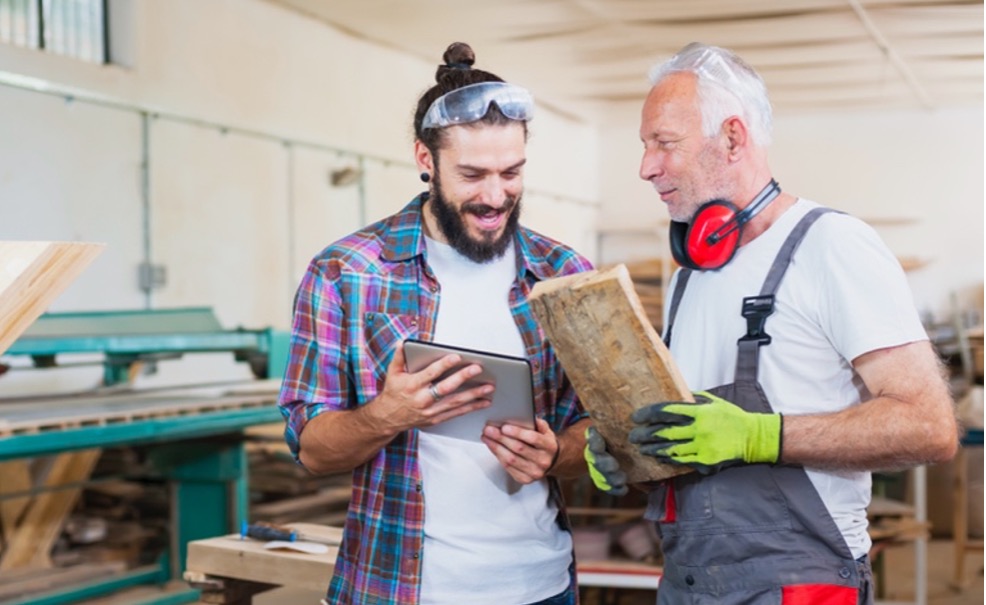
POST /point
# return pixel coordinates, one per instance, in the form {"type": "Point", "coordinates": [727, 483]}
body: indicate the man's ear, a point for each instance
{"type": "Point", "coordinates": [737, 137]}
{"type": "Point", "coordinates": [423, 158]}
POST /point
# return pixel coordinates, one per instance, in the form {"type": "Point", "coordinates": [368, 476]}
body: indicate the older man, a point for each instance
{"type": "Point", "coordinates": [797, 326]}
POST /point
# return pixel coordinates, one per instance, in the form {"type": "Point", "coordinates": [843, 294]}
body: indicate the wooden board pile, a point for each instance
{"type": "Point", "coordinates": [281, 491]}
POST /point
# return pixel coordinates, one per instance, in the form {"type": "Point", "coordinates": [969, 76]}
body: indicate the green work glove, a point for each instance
{"type": "Point", "coordinates": [603, 467]}
{"type": "Point", "coordinates": [707, 435]}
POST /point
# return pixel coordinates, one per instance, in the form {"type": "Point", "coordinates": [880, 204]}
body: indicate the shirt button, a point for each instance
{"type": "Point", "coordinates": [417, 487]}
{"type": "Point", "coordinates": [689, 580]}
{"type": "Point", "coordinates": [844, 573]}
{"type": "Point", "coordinates": [434, 288]}
{"type": "Point", "coordinates": [416, 555]}
{"type": "Point", "coordinates": [537, 365]}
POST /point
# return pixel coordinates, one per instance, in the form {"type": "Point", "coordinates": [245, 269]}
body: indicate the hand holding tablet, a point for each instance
{"type": "Point", "coordinates": [513, 397]}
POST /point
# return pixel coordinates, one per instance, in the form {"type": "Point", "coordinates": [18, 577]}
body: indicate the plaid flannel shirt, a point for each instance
{"type": "Point", "coordinates": [359, 299]}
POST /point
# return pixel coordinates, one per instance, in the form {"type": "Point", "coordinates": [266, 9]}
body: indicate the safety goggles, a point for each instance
{"type": "Point", "coordinates": [711, 64]}
{"type": "Point", "coordinates": [470, 103]}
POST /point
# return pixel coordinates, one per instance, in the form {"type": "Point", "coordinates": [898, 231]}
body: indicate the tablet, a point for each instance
{"type": "Point", "coordinates": [513, 397]}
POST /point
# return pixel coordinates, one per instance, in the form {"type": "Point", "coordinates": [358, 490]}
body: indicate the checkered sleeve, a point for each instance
{"type": "Point", "coordinates": [315, 379]}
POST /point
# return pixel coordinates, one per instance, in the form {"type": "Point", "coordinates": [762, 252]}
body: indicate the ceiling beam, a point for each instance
{"type": "Point", "coordinates": [884, 45]}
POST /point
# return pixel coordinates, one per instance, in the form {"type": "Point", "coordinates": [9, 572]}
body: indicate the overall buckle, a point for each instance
{"type": "Point", "coordinates": [756, 309]}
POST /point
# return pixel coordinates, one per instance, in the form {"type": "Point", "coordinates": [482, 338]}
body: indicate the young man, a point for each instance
{"type": "Point", "coordinates": [798, 326]}
{"type": "Point", "coordinates": [435, 519]}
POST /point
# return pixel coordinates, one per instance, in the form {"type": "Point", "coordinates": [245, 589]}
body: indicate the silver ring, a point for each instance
{"type": "Point", "coordinates": [434, 392]}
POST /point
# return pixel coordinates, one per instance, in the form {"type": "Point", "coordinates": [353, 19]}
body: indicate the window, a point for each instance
{"type": "Point", "coordinates": [74, 28]}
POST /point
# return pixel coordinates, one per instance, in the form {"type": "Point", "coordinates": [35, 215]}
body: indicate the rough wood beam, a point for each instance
{"type": "Point", "coordinates": [613, 356]}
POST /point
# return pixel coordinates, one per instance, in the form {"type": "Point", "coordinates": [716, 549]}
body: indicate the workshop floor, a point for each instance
{"type": "Point", "coordinates": [899, 582]}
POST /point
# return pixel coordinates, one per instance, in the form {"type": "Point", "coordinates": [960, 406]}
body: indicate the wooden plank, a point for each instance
{"type": "Point", "coordinates": [55, 413]}
{"type": "Point", "coordinates": [16, 478]}
{"type": "Point", "coordinates": [231, 557]}
{"type": "Point", "coordinates": [32, 274]}
{"type": "Point", "coordinates": [614, 358]}
{"type": "Point", "coordinates": [335, 498]}
{"type": "Point", "coordinates": [30, 545]}
{"type": "Point", "coordinates": [23, 583]}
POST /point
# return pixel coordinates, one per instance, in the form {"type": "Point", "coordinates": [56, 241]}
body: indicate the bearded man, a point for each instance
{"type": "Point", "coordinates": [435, 519]}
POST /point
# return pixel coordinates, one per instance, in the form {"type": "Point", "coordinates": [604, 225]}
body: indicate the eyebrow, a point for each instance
{"type": "Point", "coordinates": [469, 167]}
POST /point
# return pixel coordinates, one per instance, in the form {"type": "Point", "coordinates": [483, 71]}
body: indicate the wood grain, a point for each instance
{"type": "Point", "coordinates": [29, 547]}
{"type": "Point", "coordinates": [614, 358]}
{"type": "Point", "coordinates": [16, 476]}
{"type": "Point", "coordinates": [232, 557]}
{"type": "Point", "coordinates": [32, 275]}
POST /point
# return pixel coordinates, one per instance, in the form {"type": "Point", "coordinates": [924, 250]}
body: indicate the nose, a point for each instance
{"type": "Point", "coordinates": [494, 192]}
{"type": "Point", "coordinates": [651, 165]}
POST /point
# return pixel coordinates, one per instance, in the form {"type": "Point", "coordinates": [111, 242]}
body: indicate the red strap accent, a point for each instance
{"type": "Point", "coordinates": [670, 509]}
{"type": "Point", "coordinates": [819, 594]}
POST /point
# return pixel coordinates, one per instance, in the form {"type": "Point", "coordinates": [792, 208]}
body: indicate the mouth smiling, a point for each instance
{"type": "Point", "coordinates": [666, 193]}
{"type": "Point", "coordinates": [486, 217]}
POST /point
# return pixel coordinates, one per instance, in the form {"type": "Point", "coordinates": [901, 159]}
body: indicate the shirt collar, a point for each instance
{"type": "Point", "coordinates": [405, 236]}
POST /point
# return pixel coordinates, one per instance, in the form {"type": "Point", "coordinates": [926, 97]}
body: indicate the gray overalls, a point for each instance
{"type": "Point", "coordinates": [752, 533]}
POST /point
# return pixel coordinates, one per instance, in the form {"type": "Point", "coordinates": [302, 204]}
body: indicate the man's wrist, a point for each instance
{"type": "Point", "coordinates": [554, 459]}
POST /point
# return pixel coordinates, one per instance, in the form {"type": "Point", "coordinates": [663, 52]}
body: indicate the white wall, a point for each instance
{"type": "Point", "coordinates": [235, 217]}
{"type": "Point", "coordinates": [925, 167]}
{"type": "Point", "coordinates": [242, 108]}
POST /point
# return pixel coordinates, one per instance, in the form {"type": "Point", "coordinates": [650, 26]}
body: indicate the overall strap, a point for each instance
{"type": "Point", "coordinates": [756, 309]}
{"type": "Point", "coordinates": [679, 291]}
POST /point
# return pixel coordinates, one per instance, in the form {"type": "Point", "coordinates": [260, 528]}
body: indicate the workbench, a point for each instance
{"type": "Point", "coordinates": [233, 569]}
{"type": "Point", "coordinates": [195, 444]}
{"type": "Point", "coordinates": [192, 437]}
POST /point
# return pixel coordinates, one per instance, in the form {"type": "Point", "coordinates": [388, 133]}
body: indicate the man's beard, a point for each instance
{"type": "Point", "coordinates": [453, 226]}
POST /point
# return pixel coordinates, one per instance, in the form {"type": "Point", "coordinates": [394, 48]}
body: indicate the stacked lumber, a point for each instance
{"type": "Point", "coordinates": [282, 491]}
{"type": "Point", "coordinates": [66, 521]}
{"type": "Point", "coordinates": [893, 521]}
{"type": "Point", "coordinates": [276, 474]}
{"type": "Point", "coordinates": [33, 523]}
{"type": "Point", "coordinates": [125, 521]}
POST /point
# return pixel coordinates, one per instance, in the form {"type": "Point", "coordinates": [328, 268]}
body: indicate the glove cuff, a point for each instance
{"type": "Point", "coordinates": [766, 445]}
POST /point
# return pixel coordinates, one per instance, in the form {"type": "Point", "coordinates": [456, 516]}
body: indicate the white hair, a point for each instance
{"type": "Point", "coordinates": [727, 86]}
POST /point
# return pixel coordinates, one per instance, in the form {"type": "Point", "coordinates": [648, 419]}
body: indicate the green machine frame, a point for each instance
{"type": "Point", "coordinates": [200, 455]}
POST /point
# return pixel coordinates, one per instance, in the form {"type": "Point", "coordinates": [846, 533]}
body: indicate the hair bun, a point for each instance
{"type": "Point", "coordinates": [459, 54]}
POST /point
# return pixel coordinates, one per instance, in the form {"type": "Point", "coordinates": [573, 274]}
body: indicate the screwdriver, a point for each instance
{"type": "Point", "coordinates": [267, 532]}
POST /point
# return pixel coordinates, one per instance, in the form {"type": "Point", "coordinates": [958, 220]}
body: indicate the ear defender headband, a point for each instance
{"type": "Point", "coordinates": [710, 241]}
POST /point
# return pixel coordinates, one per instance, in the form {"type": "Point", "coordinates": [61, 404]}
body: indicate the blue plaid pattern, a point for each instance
{"type": "Point", "coordinates": [359, 299]}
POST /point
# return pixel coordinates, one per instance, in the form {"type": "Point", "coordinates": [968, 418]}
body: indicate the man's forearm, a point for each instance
{"type": "Point", "coordinates": [910, 419]}
{"type": "Point", "coordinates": [340, 441]}
{"type": "Point", "coordinates": [571, 443]}
{"type": "Point", "coordinates": [881, 434]}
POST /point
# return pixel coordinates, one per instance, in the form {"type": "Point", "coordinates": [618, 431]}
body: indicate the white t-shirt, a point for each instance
{"type": "Point", "coordinates": [488, 539]}
{"type": "Point", "coordinates": [843, 295]}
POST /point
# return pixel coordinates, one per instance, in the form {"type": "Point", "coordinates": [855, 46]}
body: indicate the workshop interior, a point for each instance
{"type": "Point", "coordinates": [168, 170]}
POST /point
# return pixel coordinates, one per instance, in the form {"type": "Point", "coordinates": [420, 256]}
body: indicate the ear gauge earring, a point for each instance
{"type": "Point", "coordinates": [425, 177]}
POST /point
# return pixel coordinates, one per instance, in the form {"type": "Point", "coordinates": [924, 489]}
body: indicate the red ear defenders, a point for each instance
{"type": "Point", "coordinates": [710, 240]}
